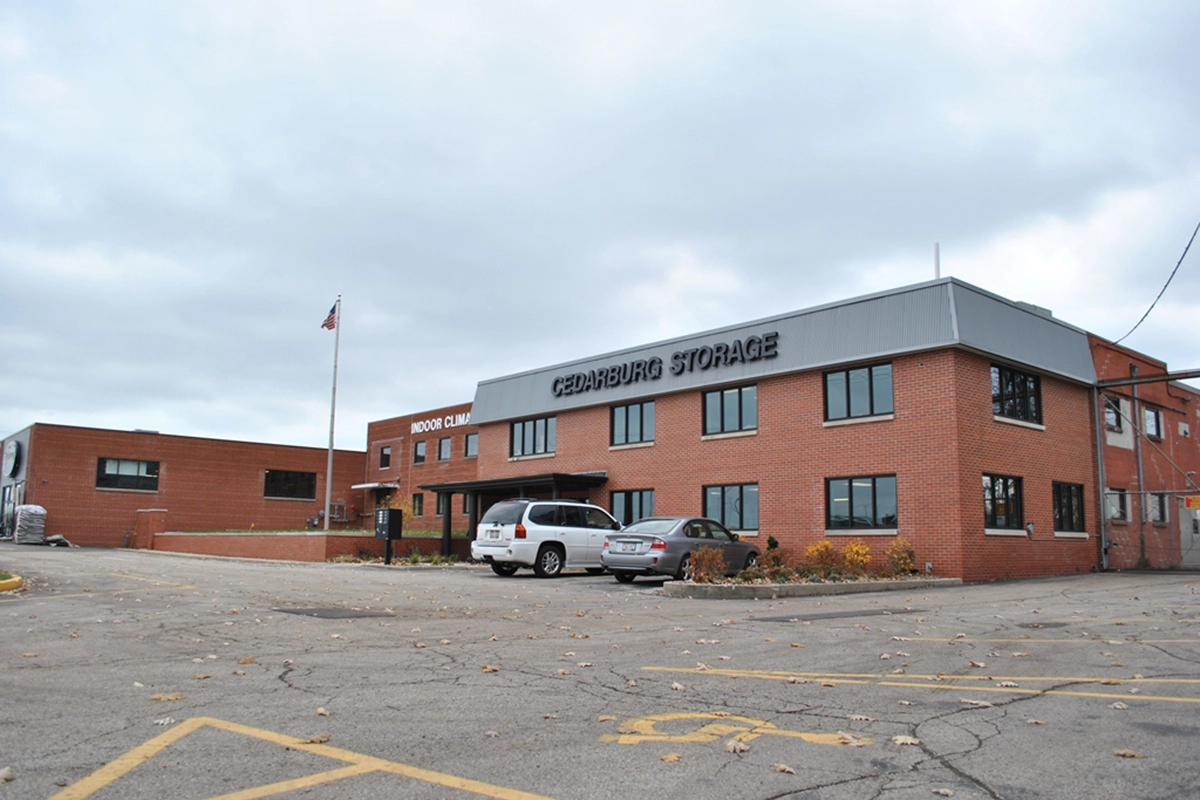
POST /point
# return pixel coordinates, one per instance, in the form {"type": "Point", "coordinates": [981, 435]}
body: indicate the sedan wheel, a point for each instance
{"type": "Point", "coordinates": [685, 563]}
{"type": "Point", "coordinates": [751, 560]}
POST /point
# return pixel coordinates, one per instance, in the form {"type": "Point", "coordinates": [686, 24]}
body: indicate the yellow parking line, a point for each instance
{"type": "Point", "coordinates": [358, 764]}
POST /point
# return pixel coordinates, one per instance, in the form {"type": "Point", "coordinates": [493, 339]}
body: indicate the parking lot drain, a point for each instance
{"type": "Point", "coordinates": [333, 613]}
{"type": "Point", "coordinates": [880, 612]}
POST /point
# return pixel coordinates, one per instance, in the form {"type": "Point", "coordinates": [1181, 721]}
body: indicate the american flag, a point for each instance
{"type": "Point", "coordinates": [331, 321]}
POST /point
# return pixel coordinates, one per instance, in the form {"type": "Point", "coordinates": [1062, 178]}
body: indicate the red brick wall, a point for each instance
{"type": "Point", "coordinates": [203, 484]}
{"type": "Point", "coordinates": [397, 433]}
{"type": "Point", "coordinates": [940, 441]}
{"type": "Point", "coordinates": [282, 546]}
{"type": "Point", "coordinates": [1165, 462]}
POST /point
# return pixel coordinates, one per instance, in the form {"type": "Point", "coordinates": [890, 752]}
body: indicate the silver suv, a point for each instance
{"type": "Point", "coordinates": [547, 535]}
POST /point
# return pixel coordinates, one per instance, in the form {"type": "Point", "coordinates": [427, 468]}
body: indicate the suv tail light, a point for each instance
{"type": "Point", "coordinates": [658, 544]}
{"type": "Point", "coordinates": [519, 531]}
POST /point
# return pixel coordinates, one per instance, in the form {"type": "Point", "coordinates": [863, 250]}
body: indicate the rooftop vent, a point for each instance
{"type": "Point", "coordinates": [1044, 312]}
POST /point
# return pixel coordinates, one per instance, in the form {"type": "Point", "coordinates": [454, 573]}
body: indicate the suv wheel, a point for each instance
{"type": "Point", "coordinates": [549, 563]}
{"type": "Point", "coordinates": [503, 568]}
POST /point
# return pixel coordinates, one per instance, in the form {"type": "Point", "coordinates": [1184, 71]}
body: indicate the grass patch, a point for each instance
{"type": "Point", "coordinates": [5, 576]}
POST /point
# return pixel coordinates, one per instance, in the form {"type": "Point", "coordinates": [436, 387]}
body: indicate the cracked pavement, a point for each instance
{"type": "Point", "coordinates": [1027, 689]}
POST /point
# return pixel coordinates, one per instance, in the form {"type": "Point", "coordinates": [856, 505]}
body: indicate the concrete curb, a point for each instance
{"type": "Point", "coordinates": [772, 591]}
{"type": "Point", "coordinates": [11, 584]}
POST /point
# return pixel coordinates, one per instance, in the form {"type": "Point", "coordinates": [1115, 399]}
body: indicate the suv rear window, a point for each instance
{"type": "Point", "coordinates": [504, 513]}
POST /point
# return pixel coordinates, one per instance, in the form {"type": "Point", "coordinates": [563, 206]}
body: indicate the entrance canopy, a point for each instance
{"type": "Point", "coordinates": [554, 482]}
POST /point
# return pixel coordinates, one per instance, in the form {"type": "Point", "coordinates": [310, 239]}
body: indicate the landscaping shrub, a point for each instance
{"type": "Point", "coordinates": [708, 565]}
{"type": "Point", "coordinates": [901, 559]}
{"type": "Point", "coordinates": [857, 555]}
{"type": "Point", "coordinates": [774, 566]}
{"type": "Point", "coordinates": [823, 558]}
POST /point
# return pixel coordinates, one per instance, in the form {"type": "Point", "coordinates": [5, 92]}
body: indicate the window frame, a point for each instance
{"type": "Point", "coordinates": [719, 394]}
{"type": "Point", "coordinates": [629, 499]}
{"type": "Point", "coordinates": [468, 451]}
{"type": "Point", "coordinates": [418, 504]}
{"type": "Point", "coordinates": [876, 525]}
{"type": "Point", "coordinates": [847, 390]}
{"type": "Point", "coordinates": [1158, 508]}
{"type": "Point", "coordinates": [420, 451]}
{"type": "Point", "coordinates": [1068, 497]}
{"type": "Point", "coordinates": [1116, 504]}
{"type": "Point", "coordinates": [144, 477]}
{"type": "Point", "coordinates": [385, 457]}
{"type": "Point", "coordinates": [1020, 397]}
{"type": "Point", "coordinates": [1014, 488]}
{"type": "Point", "coordinates": [445, 448]}
{"type": "Point", "coordinates": [741, 500]}
{"type": "Point", "coordinates": [1112, 408]}
{"type": "Point", "coordinates": [1152, 417]}
{"type": "Point", "coordinates": [288, 478]}
{"type": "Point", "coordinates": [442, 504]}
{"type": "Point", "coordinates": [625, 413]}
{"type": "Point", "coordinates": [529, 435]}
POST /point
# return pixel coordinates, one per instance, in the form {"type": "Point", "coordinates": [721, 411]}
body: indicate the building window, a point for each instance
{"type": "Point", "coordinates": [1016, 394]}
{"type": "Point", "coordinates": [631, 506]}
{"type": "Point", "coordinates": [385, 457]}
{"type": "Point", "coordinates": [864, 502]}
{"type": "Point", "coordinates": [467, 503]}
{"type": "Point", "coordinates": [859, 392]}
{"type": "Point", "coordinates": [533, 437]}
{"type": "Point", "coordinates": [283, 483]}
{"type": "Point", "coordinates": [123, 473]}
{"type": "Point", "coordinates": [633, 423]}
{"type": "Point", "coordinates": [729, 410]}
{"type": "Point", "coordinates": [1068, 507]}
{"type": "Point", "coordinates": [735, 506]}
{"type": "Point", "coordinates": [1112, 413]}
{"type": "Point", "coordinates": [418, 505]}
{"type": "Point", "coordinates": [1002, 502]}
{"type": "Point", "coordinates": [444, 448]}
{"type": "Point", "coordinates": [443, 502]}
{"type": "Point", "coordinates": [419, 453]}
{"type": "Point", "coordinates": [1117, 501]}
{"type": "Point", "coordinates": [1152, 422]}
{"type": "Point", "coordinates": [1156, 507]}
{"type": "Point", "coordinates": [471, 445]}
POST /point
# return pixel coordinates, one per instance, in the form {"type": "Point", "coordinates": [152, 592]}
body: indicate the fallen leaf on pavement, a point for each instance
{"type": "Point", "coordinates": [1020, 655]}
{"type": "Point", "coordinates": [784, 768]}
{"type": "Point", "coordinates": [677, 687]}
{"type": "Point", "coordinates": [322, 712]}
{"type": "Point", "coordinates": [248, 660]}
{"type": "Point", "coordinates": [166, 698]}
{"type": "Point", "coordinates": [859, 718]}
{"type": "Point", "coordinates": [606, 719]}
{"type": "Point", "coordinates": [1119, 706]}
{"type": "Point", "coordinates": [1127, 754]}
{"type": "Point", "coordinates": [905, 740]}
{"type": "Point", "coordinates": [490, 668]}
{"type": "Point", "coordinates": [164, 721]}
{"type": "Point", "coordinates": [1035, 722]}
{"type": "Point", "coordinates": [850, 740]}
{"type": "Point", "coordinates": [735, 746]}
{"type": "Point", "coordinates": [671, 758]}
{"type": "Point", "coordinates": [977, 703]}
{"type": "Point", "coordinates": [320, 738]}
{"type": "Point", "coordinates": [201, 676]}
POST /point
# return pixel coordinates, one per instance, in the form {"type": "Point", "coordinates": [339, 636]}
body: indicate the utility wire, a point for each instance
{"type": "Point", "coordinates": [1164, 288]}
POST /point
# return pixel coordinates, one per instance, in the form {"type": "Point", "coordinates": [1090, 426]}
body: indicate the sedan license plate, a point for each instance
{"type": "Point", "coordinates": [628, 547]}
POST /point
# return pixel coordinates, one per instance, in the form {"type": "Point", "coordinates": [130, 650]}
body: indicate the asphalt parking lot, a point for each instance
{"type": "Point", "coordinates": [138, 674]}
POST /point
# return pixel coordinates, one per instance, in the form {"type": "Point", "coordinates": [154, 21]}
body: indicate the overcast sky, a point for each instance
{"type": "Point", "coordinates": [493, 186]}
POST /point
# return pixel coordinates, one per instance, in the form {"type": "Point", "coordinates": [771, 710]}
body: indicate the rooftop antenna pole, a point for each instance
{"type": "Point", "coordinates": [937, 261]}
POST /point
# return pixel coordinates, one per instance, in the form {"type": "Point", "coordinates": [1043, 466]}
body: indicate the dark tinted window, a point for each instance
{"type": "Point", "coordinates": [544, 515]}
{"type": "Point", "coordinates": [574, 516]}
{"type": "Point", "coordinates": [504, 513]}
{"type": "Point", "coordinates": [598, 519]}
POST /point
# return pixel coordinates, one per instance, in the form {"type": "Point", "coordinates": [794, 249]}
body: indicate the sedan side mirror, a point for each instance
{"type": "Point", "coordinates": [733, 536]}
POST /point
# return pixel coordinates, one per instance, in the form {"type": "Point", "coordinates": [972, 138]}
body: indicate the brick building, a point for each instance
{"type": "Point", "coordinates": [105, 487]}
{"type": "Point", "coordinates": [965, 422]}
{"type": "Point", "coordinates": [1151, 460]}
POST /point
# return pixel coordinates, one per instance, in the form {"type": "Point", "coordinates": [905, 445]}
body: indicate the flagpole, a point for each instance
{"type": "Point", "coordinates": [337, 329]}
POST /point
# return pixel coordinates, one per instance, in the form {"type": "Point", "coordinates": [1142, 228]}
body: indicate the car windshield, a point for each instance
{"type": "Point", "coordinates": [651, 526]}
{"type": "Point", "coordinates": [504, 514]}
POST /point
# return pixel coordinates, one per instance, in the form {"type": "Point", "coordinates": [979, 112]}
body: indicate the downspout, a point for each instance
{"type": "Point", "coordinates": [1143, 562]}
{"type": "Point", "coordinates": [1101, 434]}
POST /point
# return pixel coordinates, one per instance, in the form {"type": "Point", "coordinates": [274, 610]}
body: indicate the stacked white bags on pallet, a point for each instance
{"type": "Point", "coordinates": [31, 525]}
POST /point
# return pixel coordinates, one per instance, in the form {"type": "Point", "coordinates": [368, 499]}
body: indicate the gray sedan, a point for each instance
{"type": "Point", "coordinates": [664, 546]}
